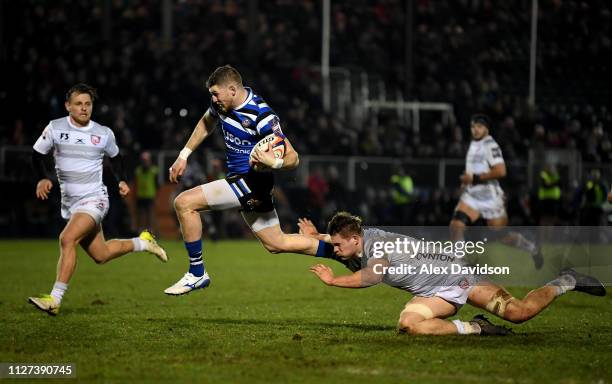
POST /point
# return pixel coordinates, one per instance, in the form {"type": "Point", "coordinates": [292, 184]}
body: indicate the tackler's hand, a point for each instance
{"type": "Point", "coordinates": [307, 228]}
{"type": "Point", "coordinates": [324, 273]}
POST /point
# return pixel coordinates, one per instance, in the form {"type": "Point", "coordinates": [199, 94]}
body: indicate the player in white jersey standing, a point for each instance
{"type": "Point", "coordinates": [482, 195]}
{"type": "Point", "coordinates": [79, 145]}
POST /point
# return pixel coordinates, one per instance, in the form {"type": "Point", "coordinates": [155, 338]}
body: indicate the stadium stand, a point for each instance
{"type": "Point", "coordinates": [469, 53]}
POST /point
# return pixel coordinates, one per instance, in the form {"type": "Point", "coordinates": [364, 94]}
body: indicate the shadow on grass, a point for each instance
{"type": "Point", "coordinates": [296, 322]}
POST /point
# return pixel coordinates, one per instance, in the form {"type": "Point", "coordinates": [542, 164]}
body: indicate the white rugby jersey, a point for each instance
{"type": "Point", "coordinates": [482, 155]}
{"type": "Point", "coordinates": [417, 282]}
{"type": "Point", "coordinates": [79, 153]}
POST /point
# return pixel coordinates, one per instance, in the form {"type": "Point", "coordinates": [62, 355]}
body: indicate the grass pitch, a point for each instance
{"type": "Point", "coordinates": [265, 318]}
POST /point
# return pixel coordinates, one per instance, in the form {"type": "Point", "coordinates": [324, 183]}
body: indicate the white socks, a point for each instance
{"type": "Point", "coordinates": [139, 244]}
{"type": "Point", "coordinates": [524, 244]}
{"type": "Point", "coordinates": [58, 291]}
{"type": "Point", "coordinates": [466, 328]}
{"type": "Point", "coordinates": [563, 284]}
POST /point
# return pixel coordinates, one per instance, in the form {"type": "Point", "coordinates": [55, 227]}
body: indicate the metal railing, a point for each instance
{"type": "Point", "coordinates": [354, 172]}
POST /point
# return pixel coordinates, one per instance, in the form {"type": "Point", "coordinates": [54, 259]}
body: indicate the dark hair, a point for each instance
{"type": "Point", "coordinates": [483, 119]}
{"type": "Point", "coordinates": [82, 88]}
{"type": "Point", "coordinates": [224, 75]}
{"type": "Point", "coordinates": [344, 224]}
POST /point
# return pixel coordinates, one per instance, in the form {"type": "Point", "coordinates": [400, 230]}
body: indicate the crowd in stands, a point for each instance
{"type": "Point", "coordinates": [473, 54]}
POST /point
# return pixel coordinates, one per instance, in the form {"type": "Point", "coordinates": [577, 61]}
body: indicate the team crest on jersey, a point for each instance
{"type": "Point", "coordinates": [246, 123]}
{"type": "Point", "coordinates": [95, 139]}
{"type": "Point", "coordinates": [464, 284]}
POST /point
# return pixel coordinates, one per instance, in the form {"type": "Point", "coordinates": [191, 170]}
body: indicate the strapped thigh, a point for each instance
{"type": "Point", "coordinates": [498, 303]}
{"type": "Point", "coordinates": [419, 309]}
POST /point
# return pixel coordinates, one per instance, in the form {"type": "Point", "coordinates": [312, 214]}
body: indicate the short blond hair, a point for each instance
{"type": "Point", "coordinates": [223, 76]}
{"type": "Point", "coordinates": [345, 225]}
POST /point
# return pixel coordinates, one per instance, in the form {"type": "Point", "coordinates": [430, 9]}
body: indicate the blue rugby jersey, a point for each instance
{"type": "Point", "coordinates": [243, 127]}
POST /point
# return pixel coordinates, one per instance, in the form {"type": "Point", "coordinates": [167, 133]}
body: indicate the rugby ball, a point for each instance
{"type": "Point", "coordinates": [278, 148]}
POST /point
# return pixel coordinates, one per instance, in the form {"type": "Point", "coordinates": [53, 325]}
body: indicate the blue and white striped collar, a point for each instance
{"type": "Point", "coordinates": [248, 98]}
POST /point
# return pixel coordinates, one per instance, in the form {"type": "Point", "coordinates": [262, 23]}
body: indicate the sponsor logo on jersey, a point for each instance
{"type": "Point", "coordinates": [237, 150]}
{"type": "Point", "coordinates": [236, 140]}
{"type": "Point", "coordinates": [79, 141]}
{"type": "Point", "coordinates": [434, 256]}
{"type": "Point", "coordinates": [64, 136]}
{"type": "Point", "coordinates": [95, 139]}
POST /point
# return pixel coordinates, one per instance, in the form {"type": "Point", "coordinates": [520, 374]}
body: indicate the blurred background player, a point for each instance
{"type": "Point", "coordinates": [437, 296]}
{"type": "Point", "coordinates": [79, 145]}
{"type": "Point", "coordinates": [245, 118]}
{"type": "Point", "coordinates": [482, 195]}
{"type": "Point", "coordinates": [146, 191]}
{"type": "Point", "coordinates": [402, 194]}
{"type": "Point", "coordinates": [590, 198]}
{"type": "Point", "coordinates": [549, 195]}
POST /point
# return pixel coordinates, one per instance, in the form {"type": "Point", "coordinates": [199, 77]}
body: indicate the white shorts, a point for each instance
{"type": "Point", "coordinates": [456, 291]}
{"type": "Point", "coordinates": [490, 208]}
{"type": "Point", "coordinates": [95, 206]}
{"type": "Point", "coordinates": [221, 196]}
{"type": "Point", "coordinates": [455, 294]}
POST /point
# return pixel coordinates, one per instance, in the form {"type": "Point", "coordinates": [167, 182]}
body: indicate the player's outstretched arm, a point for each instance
{"type": "Point", "coordinates": [202, 130]}
{"type": "Point", "coordinates": [366, 277]}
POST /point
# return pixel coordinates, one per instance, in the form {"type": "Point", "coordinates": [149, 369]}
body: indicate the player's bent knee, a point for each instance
{"type": "Point", "coordinates": [274, 242]}
{"type": "Point", "coordinates": [412, 327]}
{"type": "Point", "coordinates": [99, 257]}
{"type": "Point", "coordinates": [409, 328]}
{"type": "Point", "coordinates": [405, 324]}
{"type": "Point", "coordinates": [98, 260]}
{"type": "Point", "coordinates": [411, 316]}
{"type": "Point", "coordinates": [181, 203]}
{"type": "Point", "coordinates": [67, 240]}
{"type": "Point", "coordinates": [273, 247]}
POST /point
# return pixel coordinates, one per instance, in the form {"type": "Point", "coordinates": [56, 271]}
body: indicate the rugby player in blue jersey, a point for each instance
{"type": "Point", "coordinates": [244, 119]}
